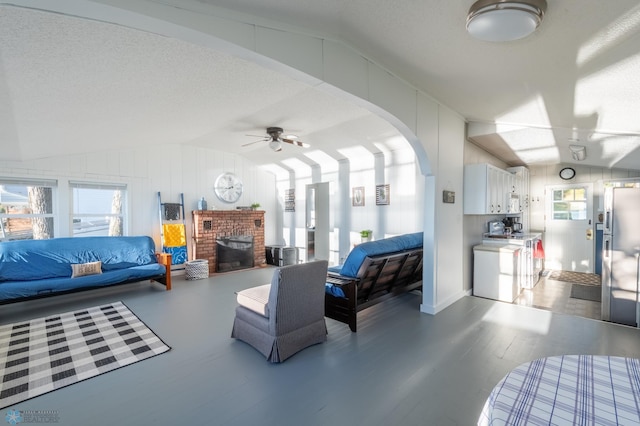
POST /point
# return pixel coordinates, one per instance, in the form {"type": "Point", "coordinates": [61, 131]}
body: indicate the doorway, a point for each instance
{"type": "Point", "coordinates": [317, 221]}
{"type": "Point", "coordinates": [569, 234]}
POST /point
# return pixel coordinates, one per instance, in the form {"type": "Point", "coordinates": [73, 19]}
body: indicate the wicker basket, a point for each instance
{"type": "Point", "coordinates": [196, 269]}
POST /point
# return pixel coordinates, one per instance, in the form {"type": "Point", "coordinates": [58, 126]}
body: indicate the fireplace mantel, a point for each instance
{"type": "Point", "coordinates": [211, 224]}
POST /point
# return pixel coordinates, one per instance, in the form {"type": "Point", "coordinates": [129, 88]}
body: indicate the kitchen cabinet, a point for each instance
{"type": "Point", "coordinates": [521, 175]}
{"type": "Point", "coordinates": [495, 185]}
{"type": "Point", "coordinates": [521, 183]}
{"type": "Point", "coordinates": [487, 189]}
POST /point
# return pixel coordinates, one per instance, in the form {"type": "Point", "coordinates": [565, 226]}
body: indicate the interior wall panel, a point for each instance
{"type": "Point", "coordinates": [393, 95]}
{"type": "Point", "coordinates": [344, 68]}
{"type": "Point", "coordinates": [302, 52]}
{"type": "Point", "coordinates": [171, 169]}
{"type": "Point", "coordinates": [449, 216]}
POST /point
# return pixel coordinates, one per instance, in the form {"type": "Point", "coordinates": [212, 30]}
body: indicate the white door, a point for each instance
{"type": "Point", "coordinates": [568, 239]}
{"type": "Point", "coordinates": [497, 193]}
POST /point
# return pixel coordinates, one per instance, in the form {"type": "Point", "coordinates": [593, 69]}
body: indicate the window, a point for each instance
{"type": "Point", "coordinates": [98, 209]}
{"type": "Point", "coordinates": [570, 204]}
{"type": "Point", "coordinates": [26, 209]}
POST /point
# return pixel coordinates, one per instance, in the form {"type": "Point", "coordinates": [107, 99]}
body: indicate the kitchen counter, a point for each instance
{"type": "Point", "coordinates": [515, 236]}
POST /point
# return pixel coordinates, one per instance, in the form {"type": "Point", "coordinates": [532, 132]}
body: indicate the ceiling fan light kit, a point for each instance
{"type": "Point", "coordinates": [505, 20]}
{"type": "Point", "coordinates": [275, 145]}
{"type": "Point", "coordinates": [275, 139]}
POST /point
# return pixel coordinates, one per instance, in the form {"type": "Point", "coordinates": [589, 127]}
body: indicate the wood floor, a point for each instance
{"type": "Point", "coordinates": [401, 368]}
{"type": "Point", "coordinates": [555, 296]}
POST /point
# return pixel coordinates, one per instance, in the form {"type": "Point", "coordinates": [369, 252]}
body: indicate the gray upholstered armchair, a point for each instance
{"type": "Point", "coordinates": [286, 316]}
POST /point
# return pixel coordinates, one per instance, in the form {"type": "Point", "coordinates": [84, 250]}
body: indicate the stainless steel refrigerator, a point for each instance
{"type": "Point", "coordinates": [621, 254]}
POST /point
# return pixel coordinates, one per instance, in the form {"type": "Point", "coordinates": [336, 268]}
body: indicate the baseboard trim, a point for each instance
{"type": "Point", "coordinates": [433, 310]}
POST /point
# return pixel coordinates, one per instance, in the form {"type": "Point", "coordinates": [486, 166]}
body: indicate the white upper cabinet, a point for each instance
{"type": "Point", "coordinates": [482, 188]}
{"type": "Point", "coordinates": [522, 187]}
{"type": "Point", "coordinates": [491, 190]}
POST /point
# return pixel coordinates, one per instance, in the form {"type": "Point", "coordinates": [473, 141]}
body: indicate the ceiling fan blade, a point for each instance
{"type": "Point", "coordinates": [296, 143]}
{"type": "Point", "coordinates": [251, 143]}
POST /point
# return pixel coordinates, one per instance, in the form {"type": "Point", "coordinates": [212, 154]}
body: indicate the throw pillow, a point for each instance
{"type": "Point", "coordinates": [82, 269]}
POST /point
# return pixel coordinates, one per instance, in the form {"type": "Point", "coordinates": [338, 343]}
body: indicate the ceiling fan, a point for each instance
{"type": "Point", "coordinates": [275, 139]}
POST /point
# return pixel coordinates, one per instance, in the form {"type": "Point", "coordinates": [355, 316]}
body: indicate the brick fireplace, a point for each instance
{"type": "Point", "coordinates": [210, 225]}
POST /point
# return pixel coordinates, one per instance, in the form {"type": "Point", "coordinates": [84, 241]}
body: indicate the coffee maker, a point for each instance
{"type": "Point", "coordinates": [511, 224]}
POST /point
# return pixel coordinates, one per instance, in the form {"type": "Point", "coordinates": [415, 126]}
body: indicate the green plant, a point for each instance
{"type": "Point", "coordinates": [366, 233]}
{"type": "Point", "coordinates": [255, 205]}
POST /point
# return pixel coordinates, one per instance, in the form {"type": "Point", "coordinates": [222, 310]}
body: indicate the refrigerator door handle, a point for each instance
{"type": "Point", "coordinates": [607, 221]}
{"type": "Point", "coordinates": [606, 248]}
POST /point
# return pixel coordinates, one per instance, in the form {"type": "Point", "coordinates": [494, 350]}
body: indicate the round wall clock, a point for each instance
{"type": "Point", "coordinates": [228, 188]}
{"type": "Point", "coordinates": [567, 173]}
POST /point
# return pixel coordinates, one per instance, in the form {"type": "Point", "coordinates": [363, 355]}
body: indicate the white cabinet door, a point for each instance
{"type": "Point", "coordinates": [477, 197]}
{"type": "Point", "coordinates": [492, 185]}
{"type": "Point", "coordinates": [517, 189]}
{"type": "Point", "coordinates": [522, 188]}
{"type": "Point", "coordinates": [498, 184]}
{"type": "Point", "coordinates": [485, 189]}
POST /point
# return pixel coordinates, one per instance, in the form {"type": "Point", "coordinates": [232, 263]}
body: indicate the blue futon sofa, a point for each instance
{"type": "Point", "coordinates": [37, 268]}
{"type": "Point", "coordinates": [373, 272]}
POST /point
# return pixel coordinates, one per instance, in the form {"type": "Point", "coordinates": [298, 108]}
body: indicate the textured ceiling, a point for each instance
{"type": "Point", "coordinates": [75, 85]}
{"type": "Point", "coordinates": [85, 85]}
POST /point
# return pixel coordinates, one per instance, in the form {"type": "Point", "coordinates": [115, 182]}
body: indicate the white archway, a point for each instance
{"type": "Point", "coordinates": [325, 65]}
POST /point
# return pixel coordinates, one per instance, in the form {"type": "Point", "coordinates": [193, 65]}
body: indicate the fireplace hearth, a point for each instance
{"type": "Point", "coordinates": [233, 253]}
{"type": "Point", "coordinates": [209, 226]}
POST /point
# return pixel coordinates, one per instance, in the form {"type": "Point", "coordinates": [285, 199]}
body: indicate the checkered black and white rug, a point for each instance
{"type": "Point", "coordinates": [46, 354]}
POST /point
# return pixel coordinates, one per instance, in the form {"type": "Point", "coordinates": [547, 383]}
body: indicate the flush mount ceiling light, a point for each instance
{"type": "Point", "coordinates": [505, 20]}
{"type": "Point", "coordinates": [578, 152]}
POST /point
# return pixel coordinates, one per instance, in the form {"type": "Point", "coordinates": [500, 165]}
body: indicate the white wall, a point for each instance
{"type": "Point", "coordinates": [398, 169]}
{"type": "Point", "coordinates": [170, 169]}
{"type": "Point", "coordinates": [430, 128]}
{"type": "Point", "coordinates": [542, 176]}
{"type": "Point", "coordinates": [449, 217]}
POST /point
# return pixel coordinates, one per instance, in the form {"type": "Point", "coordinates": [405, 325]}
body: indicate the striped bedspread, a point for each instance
{"type": "Point", "coordinates": [567, 390]}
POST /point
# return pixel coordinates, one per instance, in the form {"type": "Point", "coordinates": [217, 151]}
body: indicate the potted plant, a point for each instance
{"type": "Point", "coordinates": [255, 206]}
{"type": "Point", "coordinates": [366, 235]}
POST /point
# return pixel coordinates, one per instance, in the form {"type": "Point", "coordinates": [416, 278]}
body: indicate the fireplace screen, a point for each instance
{"type": "Point", "coordinates": [234, 253]}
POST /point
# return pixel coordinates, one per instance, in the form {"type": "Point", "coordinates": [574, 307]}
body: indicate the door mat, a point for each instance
{"type": "Point", "coordinates": [46, 354]}
{"type": "Point", "coordinates": [586, 292]}
{"type": "Point", "coordinates": [575, 277]}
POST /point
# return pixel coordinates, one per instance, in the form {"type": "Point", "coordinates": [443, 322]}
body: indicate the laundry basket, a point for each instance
{"type": "Point", "coordinates": [197, 269]}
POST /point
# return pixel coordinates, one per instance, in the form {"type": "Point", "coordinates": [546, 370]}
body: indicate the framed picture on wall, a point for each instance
{"type": "Point", "coordinates": [290, 200]}
{"type": "Point", "coordinates": [358, 196]}
{"type": "Point", "coordinates": [382, 195]}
